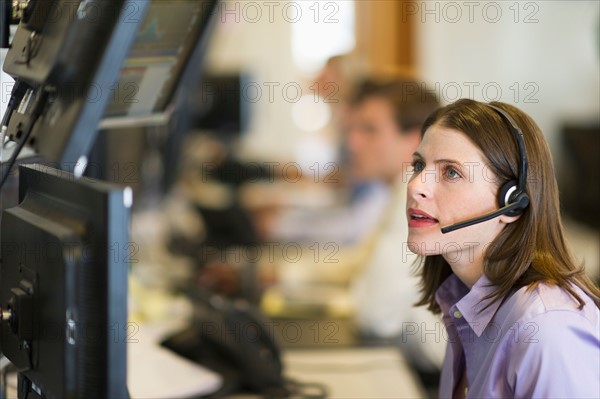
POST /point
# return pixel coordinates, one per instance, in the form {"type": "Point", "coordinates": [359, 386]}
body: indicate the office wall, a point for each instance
{"type": "Point", "coordinates": [542, 56]}
{"type": "Point", "coordinates": [261, 47]}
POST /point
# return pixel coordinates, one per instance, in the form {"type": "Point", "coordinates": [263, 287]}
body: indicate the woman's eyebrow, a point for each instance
{"type": "Point", "coordinates": [438, 161]}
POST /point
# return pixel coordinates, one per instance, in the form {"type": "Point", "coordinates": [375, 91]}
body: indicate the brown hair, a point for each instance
{"type": "Point", "coordinates": [532, 249]}
{"type": "Point", "coordinates": [410, 100]}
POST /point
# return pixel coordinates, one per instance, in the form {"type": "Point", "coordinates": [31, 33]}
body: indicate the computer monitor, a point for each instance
{"type": "Point", "coordinates": [65, 58]}
{"type": "Point", "coordinates": [152, 96]}
{"type": "Point", "coordinates": [63, 285]}
{"type": "Point", "coordinates": [221, 105]}
{"type": "Point", "coordinates": [65, 246]}
{"type": "Point", "coordinates": [168, 50]}
{"type": "Point", "coordinates": [60, 288]}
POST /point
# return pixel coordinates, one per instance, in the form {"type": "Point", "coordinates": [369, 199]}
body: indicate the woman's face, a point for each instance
{"type": "Point", "coordinates": [451, 183]}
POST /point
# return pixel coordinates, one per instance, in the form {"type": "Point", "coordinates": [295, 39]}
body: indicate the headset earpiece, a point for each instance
{"type": "Point", "coordinates": [509, 194]}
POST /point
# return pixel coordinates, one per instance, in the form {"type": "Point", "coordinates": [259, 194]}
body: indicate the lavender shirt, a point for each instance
{"type": "Point", "coordinates": [533, 344]}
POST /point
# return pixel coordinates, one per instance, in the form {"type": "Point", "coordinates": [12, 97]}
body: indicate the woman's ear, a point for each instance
{"type": "Point", "coordinates": [508, 219]}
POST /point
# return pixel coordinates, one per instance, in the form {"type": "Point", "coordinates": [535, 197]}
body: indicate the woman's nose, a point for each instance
{"type": "Point", "coordinates": [419, 187]}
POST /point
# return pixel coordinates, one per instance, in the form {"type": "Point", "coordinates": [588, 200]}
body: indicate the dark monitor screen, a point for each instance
{"type": "Point", "coordinates": [220, 105]}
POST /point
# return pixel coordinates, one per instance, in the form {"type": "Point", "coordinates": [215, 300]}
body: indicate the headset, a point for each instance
{"type": "Point", "coordinates": [512, 197]}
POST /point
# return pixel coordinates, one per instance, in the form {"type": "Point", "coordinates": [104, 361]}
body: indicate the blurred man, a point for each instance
{"type": "Point", "coordinates": [383, 132]}
{"type": "Point", "coordinates": [382, 138]}
{"type": "Point", "coordinates": [359, 203]}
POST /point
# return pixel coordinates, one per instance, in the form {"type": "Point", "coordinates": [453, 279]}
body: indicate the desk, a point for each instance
{"type": "Point", "coordinates": [354, 372]}
{"type": "Point", "coordinates": [156, 372]}
{"type": "Point", "coordinates": [346, 372]}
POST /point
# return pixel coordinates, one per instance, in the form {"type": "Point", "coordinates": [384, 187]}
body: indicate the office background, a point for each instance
{"type": "Point", "coordinates": [259, 136]}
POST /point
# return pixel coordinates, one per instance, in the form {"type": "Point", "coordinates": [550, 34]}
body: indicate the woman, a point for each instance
{"type": "Point", "coordinates": [522, 318]}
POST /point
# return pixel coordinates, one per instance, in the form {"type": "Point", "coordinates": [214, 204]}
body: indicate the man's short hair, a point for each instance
{"type": "Point", "coordinates": [411, 101]}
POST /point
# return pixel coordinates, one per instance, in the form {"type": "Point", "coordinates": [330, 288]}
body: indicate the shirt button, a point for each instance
{"type": "Point", "coordinates": [457, 314]}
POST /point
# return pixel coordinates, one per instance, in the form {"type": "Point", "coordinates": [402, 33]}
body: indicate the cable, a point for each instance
{"type": "Point", "coordinates": [16, 95]}
{"type": "Point", "coordinates": [37, 111]}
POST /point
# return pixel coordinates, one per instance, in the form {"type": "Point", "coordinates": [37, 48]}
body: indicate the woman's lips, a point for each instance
{"type": "Point", "coordinates": [417, 218]}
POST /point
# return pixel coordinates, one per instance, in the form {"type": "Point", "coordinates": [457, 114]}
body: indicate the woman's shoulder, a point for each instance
{"type": "Point", "coordinates": [547, 301]}
{"type": "Point", "coordinates": [553, 330]}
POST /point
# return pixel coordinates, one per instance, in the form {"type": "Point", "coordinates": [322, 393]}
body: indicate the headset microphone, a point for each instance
{"type": "Point", "coordinates": [522, 204]}
{"type": "Point", "coordinates": [512, 197]}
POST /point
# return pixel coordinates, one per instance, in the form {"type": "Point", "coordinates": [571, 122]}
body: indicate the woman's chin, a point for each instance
{"type": "Point", "coordinates": [425, 245]}
{"type": "Point", "coordinates": [418, 247]}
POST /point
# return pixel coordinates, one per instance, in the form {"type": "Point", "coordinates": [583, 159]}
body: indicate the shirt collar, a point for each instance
{"type": "Point", "coordinates": [469, 302]}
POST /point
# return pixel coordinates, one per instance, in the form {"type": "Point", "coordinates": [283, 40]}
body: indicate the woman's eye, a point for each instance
{"type": "Point", "coordinates": [451, 173]}
{"type": "Point", "coordinates": [418, 166]}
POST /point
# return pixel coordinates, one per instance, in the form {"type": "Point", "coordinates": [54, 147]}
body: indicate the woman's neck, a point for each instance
{"type": "Point", "coordinates": [466, 265]}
